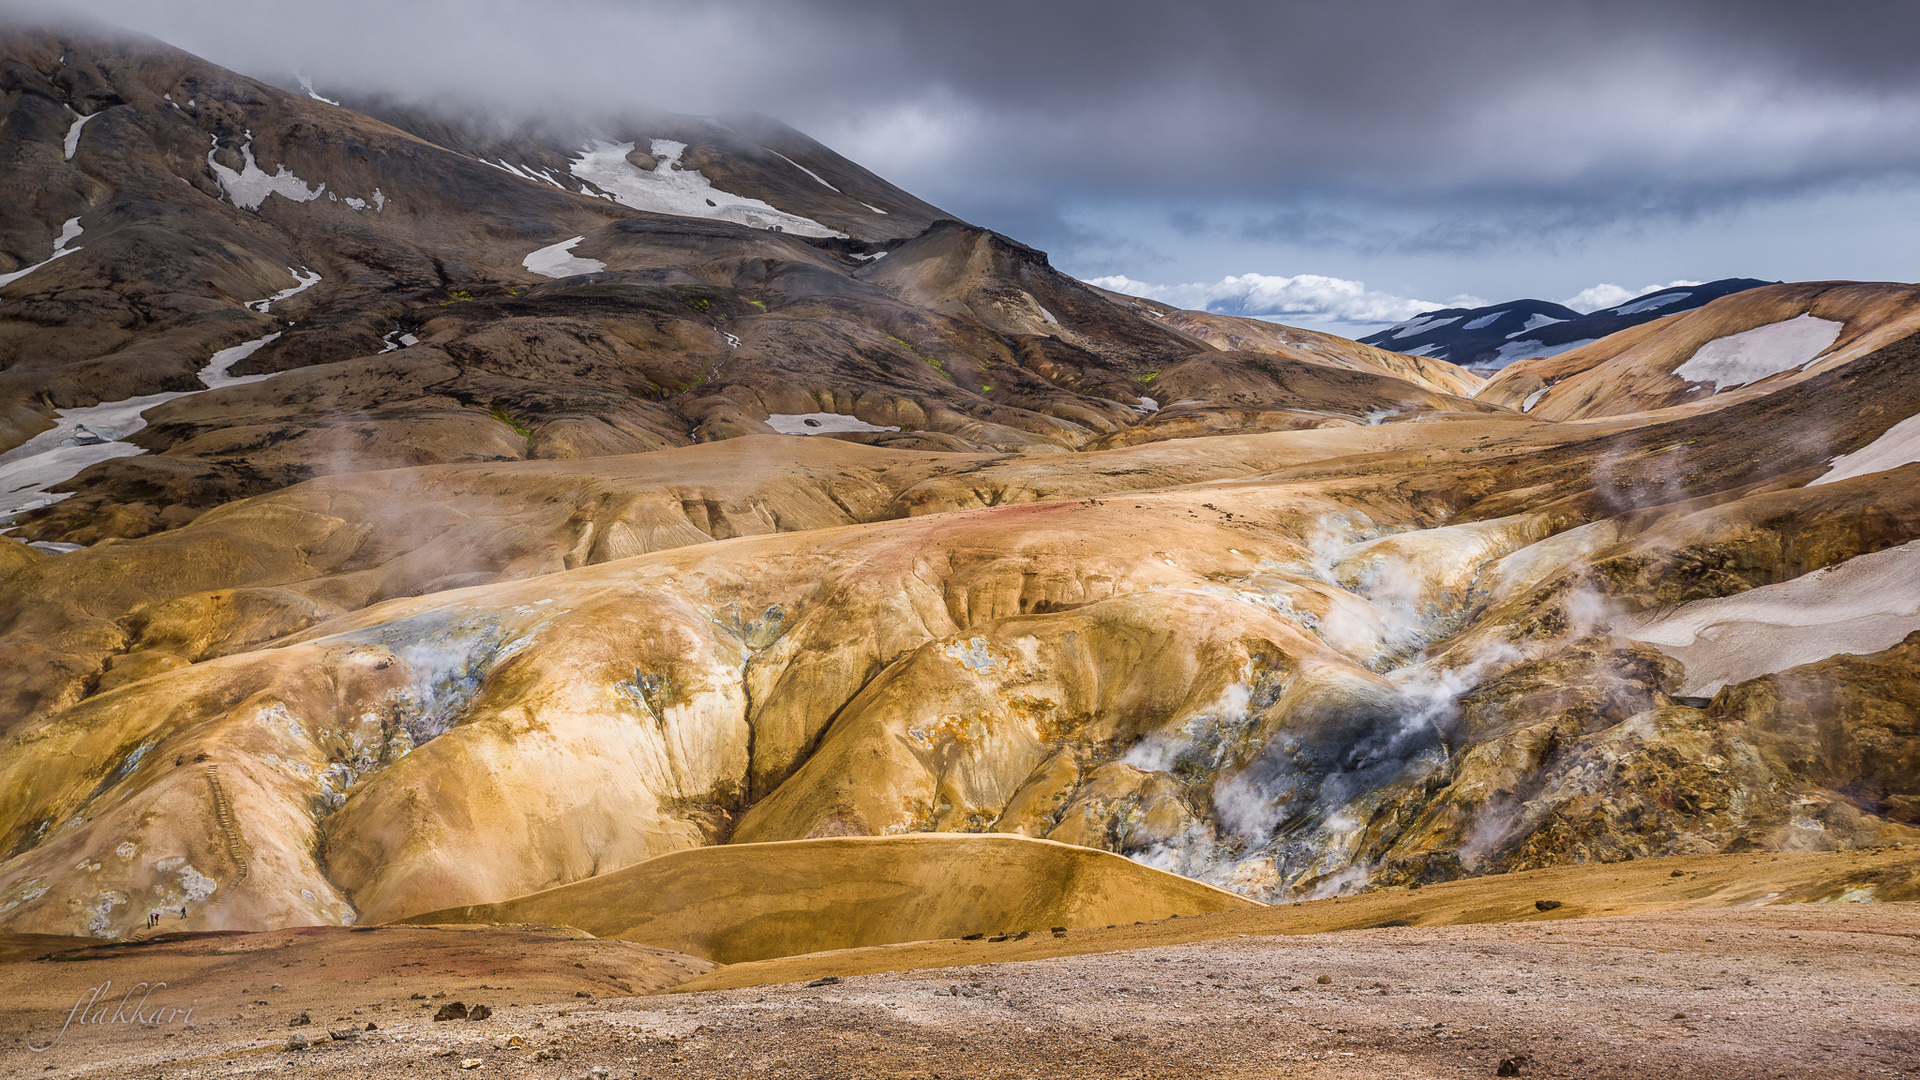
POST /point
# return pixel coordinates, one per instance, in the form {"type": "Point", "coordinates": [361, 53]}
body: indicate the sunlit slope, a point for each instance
{"type": "Point", "coordinates": [1221, 676]}
{"type": "Point", "coordinates": [1752, 342]}
{"type": "Point", "coordinates": [748, 902]}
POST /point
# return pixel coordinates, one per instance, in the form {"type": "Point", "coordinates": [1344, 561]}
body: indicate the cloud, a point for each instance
{"type": "Point", "coordinates": [1596, 297]}
{"type": "Point", "coordinates": [1457, 131]}
{"type": "Point", "coordinates": [1306, 297]}
{"type": "Point", "coordinates": [1571, 105]}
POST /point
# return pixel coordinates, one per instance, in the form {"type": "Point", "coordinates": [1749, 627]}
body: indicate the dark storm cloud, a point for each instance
{"type": "Point", "coordinates": [1311, 114]}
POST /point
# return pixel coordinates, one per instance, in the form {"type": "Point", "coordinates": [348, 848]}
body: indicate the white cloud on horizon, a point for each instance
{"type": "Point", "coordinates": [1310, 297]}
{"type": "Point", "coordinates": [1593, 298]}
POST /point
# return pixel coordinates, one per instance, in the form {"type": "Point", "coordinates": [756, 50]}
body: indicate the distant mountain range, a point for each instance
{"type": "Point", "coordinates": [1490, 338]}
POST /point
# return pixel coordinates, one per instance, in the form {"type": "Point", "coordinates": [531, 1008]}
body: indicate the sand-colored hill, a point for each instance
{"type": "Point", "coordinates": [743, 902]}
{"type": "Point", "coordinates": [1233, 333]}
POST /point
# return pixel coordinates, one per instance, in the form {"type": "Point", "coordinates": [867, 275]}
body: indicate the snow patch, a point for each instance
{"type": "Point", "coordinates": [1752, 355]}
{"type": "Point", "coordinates": [303, 279]}
{"type": "Point", "coordinates": [398, 339]}
{"type": "Point", "coordinates": [1652, 303]}
{"type": "Point", "coordinates": [248, 187]}
{"type": "Point", "coordinates": [78, 439]}
{"type": "Point", "coordinates": [820, 423]}
{"type": "Point", "coordinates": [1484, 321]}
{"type": "Point", "coordinates": [558, 261]}
{"type": "Point", "coordinates": [1520, 350]}
{"type": "Point", "coordinates": [809, 172]}
{"type": "Point", "coordinates": [1534, 398]}
{"type": "Point", "coordinates": [308, 87]}
{"type": "Point", "coordinates": [1863, 605]}
{"type": "Point", "coordinates": [1535, 322]}
{"type": "Point", "coordinates": [215, 376]}
{"type": "Point", "coordinates": [670, 189]}
{"type": "Point", "coordinates": [73, 135]}
{"type": "Point", "coordinates": [81, 438]}
{"type": "Point", "coordinates": [69, 232]}
{"type": "Point", "coordinates": [874, 208]}
{"type": "Point", "coordinates": [1898, 445]}
{"type": "Point", "coordinates": [1421, 325]}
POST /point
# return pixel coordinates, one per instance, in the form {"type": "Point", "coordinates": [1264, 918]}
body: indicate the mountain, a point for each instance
{"type": "Point", "coordinates": [408, 515]}
{"type": "Point", "coordinates": [1490, 338]}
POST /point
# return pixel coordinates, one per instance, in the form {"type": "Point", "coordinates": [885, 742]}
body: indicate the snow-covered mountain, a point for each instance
{"type": "Point", "coordinates": [1489, 338]}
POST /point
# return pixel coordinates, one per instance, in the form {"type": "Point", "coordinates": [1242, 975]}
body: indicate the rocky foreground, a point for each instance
{"type": "Point", "coordinates": [1657, 967]}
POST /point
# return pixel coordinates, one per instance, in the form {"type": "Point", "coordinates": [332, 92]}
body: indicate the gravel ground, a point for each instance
{"type": "Point", "coordinates": [1811, 990]}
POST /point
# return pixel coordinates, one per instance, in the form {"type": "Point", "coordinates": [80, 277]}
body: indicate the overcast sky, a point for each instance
{"type": "Point", "coordinates": [1333, 164]}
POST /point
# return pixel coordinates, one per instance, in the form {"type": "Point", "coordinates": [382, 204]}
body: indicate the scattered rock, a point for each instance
{"type": "Point", "coordinates": [1511, 1066]}
{"type": "Point", "coordinates": [1324, 980]}
{"type": "Point", "coordinates": [299, 1040]}
{"type": "Point", "coordinates": [973, 937]}
{"type": "Point", "coordinates": [512, 1042]}
{"type": "Point", "coordinates": [419, 997]}
{"type": "Point", "coordinates": [825, 980]}
{"type": "Point", "coordinates": [1678, 873]}
{"type": "Point", "coordinates": [300, 1020]}
{"type": "Point", "coordinates": [1059, 929]}
{"type": "Point", "coordinates": [479, 1012]}
{"type": "Point", "coordinates": [551, 1053]}
{"type": "Point", "coordinates": [1545, 905]}
{"type": "Point", "coordinates": [452, 1010]}
{"type": "Point", "coordinates": [440, 994]}
{"type": "Point", "coordinates": [371, 1027]}
{"type": "Point", "coordinates": [1679, 1016]}
{"type": "Point", "coordinates": [471, 1063]}
{"type": "Point", "coordinates": [581, 993]}
{"type": "Point", "coordinates": [344, 1034]}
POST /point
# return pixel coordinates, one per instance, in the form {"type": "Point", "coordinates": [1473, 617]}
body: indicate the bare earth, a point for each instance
{"type": "Point", "coordinates": [1658, 987]}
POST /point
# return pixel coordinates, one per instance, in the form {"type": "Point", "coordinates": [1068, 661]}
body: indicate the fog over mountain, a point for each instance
{"type": "Point", "coordinates": [1421, 155]}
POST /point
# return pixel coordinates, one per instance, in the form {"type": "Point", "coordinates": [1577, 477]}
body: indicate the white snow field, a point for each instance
{"type": "Point", "coordinates": [1898, 445]}
{"type": "Point", "coordinates": [88, 436]}
{"type": "Point", "coordinates": [1484, 321]}
{"type": "Point", "coordinates": [1863, 605]}
{"type": "Point", "coordinates": [248, 187]}
{"type": "Point", "coordinates": [1752, 355]}
{"type": "Point", "coordinates": [817, 423]}
{"type": "Point", "coordinates": [69, 232]}
{"type": "Point", "coordinates": [669, 189]}
{"type": "Point", "coordinates": [558, 261]}
{"type": "Point", "coordinates": [1535, 322]}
